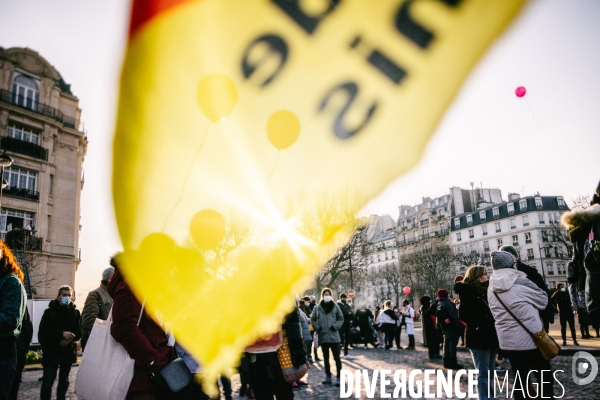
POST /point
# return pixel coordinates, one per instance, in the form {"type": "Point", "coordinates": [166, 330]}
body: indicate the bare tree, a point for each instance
{"type": "Point", "coordinates": [580, 202]}
{"type": "Point", "coordinates": [428, 272]}
{"type": "Point", "coordinates": [393, 278]}
{"type": "Point", "coordinates": [464, 257]}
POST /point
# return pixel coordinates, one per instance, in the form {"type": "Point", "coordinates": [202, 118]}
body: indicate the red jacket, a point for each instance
{"type": "Point", "coordinates": [144, 343]}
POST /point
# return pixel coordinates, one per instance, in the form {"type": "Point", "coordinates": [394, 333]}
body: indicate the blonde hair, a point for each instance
{"type": "Point", "coordinates": [473, 274]}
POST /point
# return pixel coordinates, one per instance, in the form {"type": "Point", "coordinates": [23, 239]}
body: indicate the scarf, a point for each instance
{"type": "Point", "coordinates": [327, 307]}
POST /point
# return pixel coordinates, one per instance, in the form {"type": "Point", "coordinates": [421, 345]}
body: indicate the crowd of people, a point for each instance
{"type": "Point", "coordinates": [494, 315]}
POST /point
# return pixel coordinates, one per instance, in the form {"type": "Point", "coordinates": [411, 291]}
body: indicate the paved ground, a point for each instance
{"type": "Point", "coordinates": [380, 359]}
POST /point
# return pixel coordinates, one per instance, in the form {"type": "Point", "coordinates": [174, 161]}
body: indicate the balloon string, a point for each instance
{"type": "Point", "coordinates": [532, 113]}
{"type": "Point", "coordinates": [187, 175]}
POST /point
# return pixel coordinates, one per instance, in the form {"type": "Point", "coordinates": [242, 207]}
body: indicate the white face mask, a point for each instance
{"type": "Point", "coordinates": [306, 303]}
{"type": "Point", "coordinates": [327, 299]}
{"type": "Point", "coordinates": [562, 289]}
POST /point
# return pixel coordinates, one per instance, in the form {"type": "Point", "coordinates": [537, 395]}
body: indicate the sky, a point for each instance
{"type": "Point", "coordinates": [546, 142]}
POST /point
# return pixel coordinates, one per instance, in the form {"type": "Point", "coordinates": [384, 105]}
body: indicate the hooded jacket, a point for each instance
{"type": "Point", "coordinates": [322, 321]}
{"type": "Point", "coordinates": [524, 299]}
{"type": "Point", "coordinates": [480, 332]}
{"type": "Point", "coordinates": [584, 274]}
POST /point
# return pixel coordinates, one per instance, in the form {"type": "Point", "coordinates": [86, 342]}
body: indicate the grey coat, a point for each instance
{"type": "Point", "coordinates": [321, 323]}
{"type": "Point", "coordinates": [305, 329]}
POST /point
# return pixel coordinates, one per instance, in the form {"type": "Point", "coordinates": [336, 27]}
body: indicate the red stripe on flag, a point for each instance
{"type": "Point", "coordinates": [144, 10]}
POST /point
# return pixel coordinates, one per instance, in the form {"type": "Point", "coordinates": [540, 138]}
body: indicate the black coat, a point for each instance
{"type": "Point", "coordinates": [480, 332]}
{"type": "Point", "coordinates": [445, 309]}
{"type": "Point", "coordinates": [534, 276]}
{"type": "Point", "coordinates": [427, 311]}
{"type": "Point", "coordinates": [56, 320]}
{"type": "Point", "coordinates": [293, 331]}
{"type": "Point", "coordinates": [563, 302]}
{"type": "Point", "coordinates": [363, 318]}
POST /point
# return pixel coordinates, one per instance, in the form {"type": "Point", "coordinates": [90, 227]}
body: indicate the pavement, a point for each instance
{"type": "Point", "coordinates": [373, 359]}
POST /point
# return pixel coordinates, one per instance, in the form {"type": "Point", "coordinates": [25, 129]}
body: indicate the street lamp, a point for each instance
{"type": "Point", "coordinates": [5, 161]}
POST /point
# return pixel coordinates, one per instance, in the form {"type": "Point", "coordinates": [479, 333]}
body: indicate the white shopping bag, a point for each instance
{"type": "Point", "coordinates": [106, 370]}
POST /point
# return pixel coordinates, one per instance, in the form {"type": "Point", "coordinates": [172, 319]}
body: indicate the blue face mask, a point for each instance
{"type": "Point", "coordinates": [65, 301]}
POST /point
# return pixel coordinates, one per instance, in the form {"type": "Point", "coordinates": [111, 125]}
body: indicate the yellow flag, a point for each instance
{"type": "Point", "coordinates": [248, 131]}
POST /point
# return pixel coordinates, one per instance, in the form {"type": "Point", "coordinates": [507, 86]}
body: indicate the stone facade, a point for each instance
{"type": "Point", "coordinates": [39, 129]}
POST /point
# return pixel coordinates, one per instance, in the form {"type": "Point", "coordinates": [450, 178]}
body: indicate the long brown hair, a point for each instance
{"type": "Point", "coordinates": [8, 262]}
{"type": "Point", "coordinates": [473, 274]}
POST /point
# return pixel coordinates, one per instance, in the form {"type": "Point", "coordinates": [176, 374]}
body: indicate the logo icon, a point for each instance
{"type": "Point", "coordinates": [584, 362]}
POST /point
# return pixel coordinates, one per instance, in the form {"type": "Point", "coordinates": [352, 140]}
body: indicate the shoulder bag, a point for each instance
{"type": "Point", "coordinates": [173, 380]}
{"type": "Point", "coordinates": [290, 373]}
{"type": "Point", "coordinates": [106, 370]}
{"type": "Point", "coordinates": [544, 342]}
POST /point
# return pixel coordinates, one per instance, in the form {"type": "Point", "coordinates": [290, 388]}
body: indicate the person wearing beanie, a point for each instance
{"type": "Point", "coordinates": [448, 321]}
{"type": "Point", "coordinates": [97, 305]}
{"type": "Point", "coordinates": [547, 314]}
{"type": "Point", "coordinates": [509, 289]}
{"type": "Point", "coordinates": [583, 275]}
{"type": "Point", "coordinates": [348, 317]}
{"type": "Point", "coordinates": [327, 319]}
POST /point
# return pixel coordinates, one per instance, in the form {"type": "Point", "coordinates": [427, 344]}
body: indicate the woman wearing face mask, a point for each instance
{"type": "Point", "coordinates": [327, 319]}
{"type": "Point", "coordinates": [480, 334]}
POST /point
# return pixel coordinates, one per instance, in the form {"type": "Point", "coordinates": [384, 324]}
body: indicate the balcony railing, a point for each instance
{"type": "Point", "coordinates": [37, 107]}
{"type": "Point", "coordinates": [27, 194]}
{"type": "Point", "coordinates": [21, 240]}
{"type": "Point", "coordinates": [23, 147]}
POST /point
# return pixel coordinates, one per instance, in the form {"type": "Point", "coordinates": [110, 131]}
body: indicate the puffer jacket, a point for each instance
{"type": "Point", "coordinates": [584, 274]}
{"type": "Point", "coordinates": [322, 321]}
{"type": "Point", "coordinates": [387, 316]}
{"type": "Point", "coordinates": [524, 299]}
{"type": "Point", "coordinates": [304, 324]}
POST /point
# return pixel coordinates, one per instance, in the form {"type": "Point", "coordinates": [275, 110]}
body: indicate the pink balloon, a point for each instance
{"type": "Point", "coordinates": [406, 290]}
{"type": "Point", "coordinates": [520, 91]}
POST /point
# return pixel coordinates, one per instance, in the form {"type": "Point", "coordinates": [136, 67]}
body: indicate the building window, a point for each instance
{"type": "Point", "coordinates": [393, 254]}
{"type": "Point", "coordinates": [527, 237]}
{"type": "Point", "coordinates": [538, 203]}
{"type": "Point", "coordinates": [523, 205]}
{"type": "Point", "coordinates": [484, 230]}
{"type": "Point", "coordinates": [25, 92]}
{"type": "Point", "coordinates": [513, 224]}
{"type": "Point", "coordinates": [550, 269]}
{"type": "Point", "coordinates": [424, 218]}
{"type": "Point", "coordinates": [441, 212]}
{"type": "Point", "coordinates": [530, 254]}
{"type": "Point", "coordinates": [499, 242]}
{"type": "Point", "coordinates": [20, 178]}
{"type": "Point", "coordinates": [495, 212]}
{"type": "Point", "coordinates": [550, 218]}
{"type": "Point", "coordinates": [482, 216]}
{"type": "Point", "coordinates": [24, 134]}
{"type": "Point", "coordinates": [486, 246]}
{"type": "Point", "coordinates": [13, 219]}
{"type": "Point", "coordinates": [541, 218]}
{"type": "Point", "coordinates": [458, 239]}
{"type": "Point", "coordinates": [457, 223]}
{"type": "Point", "coordinates": [525, 220]}
{"type": "Point", "coordinates": [515, 240]}
{"type": "Point", "coordinates": [469, 220]}
{"type": "Point", "coordinates": [561, 202]}
{"type": "Point", "coordinates": [498, 228]}
{"type": "Point", "coordinates": [547, 252]}
{"type": "Point", "coordinates": [471, 234]}
{"type": "Point", "coordinates": [427, 248]}
{"type": "Point", "coordinates": [426, 232]}
{"type": "Point", "coordinates": [511, 208]}
{"type": "Point", "coordinates": [416, 233]}
{"type": "Point", "coordinates": [442, 228]}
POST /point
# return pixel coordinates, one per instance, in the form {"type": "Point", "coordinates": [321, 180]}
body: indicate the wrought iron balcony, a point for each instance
{"type": "Point", "coordinates": [37, 107]}
{"type": "Point", "coordinates": [27, 194]}
{"type": "Point", "coordinates": [23, 147]}
{"type": "Point", "coordinates": [22, 240]}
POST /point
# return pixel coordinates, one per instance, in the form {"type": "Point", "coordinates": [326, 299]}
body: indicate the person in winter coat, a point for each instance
{"type": "Point", "coordinates": [399, 324]}
{"type": "Point", "coordinates": [584, 233]}
{"type": "Point", "coordinates": [449, 322]}
{"type": "Point", "coordinates": [364, 319]}
{"type": "Point", "coordinates": [547, 314]}
{"type": "Point", "coordinates": [480, 333]}
{"type": "Point", "coordinates": [510, 288]}
{"type": "Point", "coordinates": [388, 321]}
{"type": "Point", "coordinates": [408, 314]}
{"type": "Point", "coordinates": [97, 305]}
{"type": "Point", "coordinates": [327, 320]}
{"type": "Point", "coordinates": [23, 343]}
{"type": "Point", "coordinates": [306, 335]}
{"type": "Point", "coordinates": [266, 376]}
{"type": "Point", "coordinates": [143, 339]}
{"type": "Point", "coordinates": [348, 317]}
{"type": "Point", "coordinates": [565, 313]}
{"type": "Point", "coordinates": [58, 332]}
{"type": "Point", "coordinates": [428, 322]}
{"type": "Point", "coordinates": [582, 315]}
{"type": "Point", "coordinates": [13, 301]}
